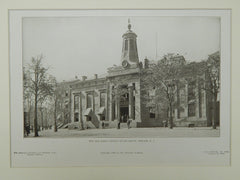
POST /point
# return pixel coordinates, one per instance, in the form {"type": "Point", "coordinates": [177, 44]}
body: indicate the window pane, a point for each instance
{"type": "Point", "coordinates": [191, 109]}
{"type": "Point", "coordinates": [89, 101]}
{"type": "Point", "coordinates": [76, 102]}
{"type": "Point", "coordinates": [102, 99]}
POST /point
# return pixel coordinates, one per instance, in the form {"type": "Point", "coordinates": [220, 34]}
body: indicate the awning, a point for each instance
{"type": "Point", "coordinates": [101, 111]}
{"type": "Point", "coordinates": [88, 112]}
{"type": "Point", "coordinates": [191, 101]}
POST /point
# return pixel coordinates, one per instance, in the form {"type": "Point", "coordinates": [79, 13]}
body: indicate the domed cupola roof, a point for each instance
{"type": "Point", "coordinates": [129, 50]}
{"type": "Point", "coordinates": [129, 32]}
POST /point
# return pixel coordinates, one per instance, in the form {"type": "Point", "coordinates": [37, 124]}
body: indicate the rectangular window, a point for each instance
{"type": "Point", "coordinates": [76, 102]}
{"type": "Point", "coordinates": [191, 90]}
{"type": "Point", "coordinates": [191, 109]}
{"type": "Point", "coordinates": [76, 117]}
{"type": "Point", "coordinates": [151, 112]}
{"type": "Point", "coordinates": [182, 97]}
{"type": "Point", "coordinates": [89, 100]}
{"type": "Point", "coordinates": [102, 99]}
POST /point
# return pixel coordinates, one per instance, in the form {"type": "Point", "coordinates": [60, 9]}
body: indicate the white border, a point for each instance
{"type": "Point", "coordinates": [78, 151]}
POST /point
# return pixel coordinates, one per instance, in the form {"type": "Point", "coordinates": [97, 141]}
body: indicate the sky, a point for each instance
{"type": "Point", "coordinates": [78, 46]}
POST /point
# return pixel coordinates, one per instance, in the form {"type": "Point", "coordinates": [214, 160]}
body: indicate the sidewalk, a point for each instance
{"type": "Point", "coordinates": [158, 132]}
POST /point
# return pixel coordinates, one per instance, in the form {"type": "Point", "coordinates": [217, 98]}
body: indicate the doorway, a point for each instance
{"type": "Point", "coordinates": [123, 114]}
{"type": "Point", "coordinates": [76, 115]}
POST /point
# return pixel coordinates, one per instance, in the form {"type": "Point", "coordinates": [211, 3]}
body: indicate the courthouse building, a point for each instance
{"type": "Point", "coordinates": [105, 100]}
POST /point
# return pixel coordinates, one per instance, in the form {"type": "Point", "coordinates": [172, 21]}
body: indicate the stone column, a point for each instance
{"type": "Point", "coordinates": [204, 104]}
{"type": "Point", "coordinates": [200, 101]}
{"type": "Point", "coordinates": [111, 100]}
{"type": "Point", "coordinates": [117, 109]}
{"type": "Point", "coordinates": [130, 90]}
{"type": "Point", "coordinates": [72, 107]}
{"type": "Point", "coordinates": [80, 109]}
{"type": "Point", "coordinates": [197, 99]}
{"type": "Point", "coordinates": [93, 101]}
{"type": "Point", "coordinates": [186, 99]}
{"type": "Point", "coordinates": [117, 105]}
{"type": "Point", "coordinates": [79, 115]}
{"type": "Point", "coordinates": [86, 104]}
{"type": "Point", "coordinates": [107, 104]}
{"type": "Point", "coordinates": [138, 101]}
{"type": "Point", "coordinates": [86, 100]}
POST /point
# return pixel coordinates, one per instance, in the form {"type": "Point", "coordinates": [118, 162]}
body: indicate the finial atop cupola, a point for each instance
{"type": "Point", "coordinates": [129, 24]}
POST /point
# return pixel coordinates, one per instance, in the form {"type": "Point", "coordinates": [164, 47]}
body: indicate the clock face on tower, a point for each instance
{"type": "Point", "coordinates": [125, 64]}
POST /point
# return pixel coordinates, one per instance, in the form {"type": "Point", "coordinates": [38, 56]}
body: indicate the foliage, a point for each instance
{"type": "Point", "coordinates": [162, 78]}
{"type": "Point", "coordinates": [36, 83]}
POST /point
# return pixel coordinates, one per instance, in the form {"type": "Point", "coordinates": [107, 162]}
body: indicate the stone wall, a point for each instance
{"type": "Point", "coordinates": [93, 88]}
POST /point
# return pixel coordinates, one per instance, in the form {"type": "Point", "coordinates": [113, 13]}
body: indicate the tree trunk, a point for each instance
{"type": "Point", "coordinates": [29, 113]}
{"type": "Point", "coordinates": [55, 117]}
{"type": "Point", "coordinates": [166, 125]}
{"type": "Point", "coordinates": [214, 118]}
{"type": "Point", "coordinates": [42, 117]}
{"type": "Point", "coordinates": [171, 116]}
{"type": "Point", "coordinates": [35, 117]}
{"type": "Point", "coordinates": [46, 119]}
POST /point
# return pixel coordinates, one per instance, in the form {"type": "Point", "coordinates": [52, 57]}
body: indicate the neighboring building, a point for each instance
{"type": "Point", "coordinates": [64, 101]}
{"type": "Point", "coordinates": [118, 96]}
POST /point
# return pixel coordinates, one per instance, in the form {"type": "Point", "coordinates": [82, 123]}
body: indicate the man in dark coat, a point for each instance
{"type": "Point", "coordinates": [128, 122]}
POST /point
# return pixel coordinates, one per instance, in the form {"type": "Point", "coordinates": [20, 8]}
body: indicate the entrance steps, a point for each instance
{"type": "Point", "coordinates": [90, 125]}
{"type": "Point", "coordinates": [113, 124]}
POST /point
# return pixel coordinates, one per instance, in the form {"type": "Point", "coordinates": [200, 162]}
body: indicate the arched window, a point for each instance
{"type": "Point", "coordinates": [126, 44]}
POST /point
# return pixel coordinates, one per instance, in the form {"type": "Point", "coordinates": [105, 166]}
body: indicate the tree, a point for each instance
{"type": "Point", "coordinates": [38, 84]}
{"type": "Point", "coordinates": [27, 99]}
{"type": "Point", "coordinates": [58, 101]}
{"type": "Point", "coordinates": [163, 78]}
{"type": "Point", "coordinates": [208, 74]}
{"type": "Point", "coordinates": [213, 82]}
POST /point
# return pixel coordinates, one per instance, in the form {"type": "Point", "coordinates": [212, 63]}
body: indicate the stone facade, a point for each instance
{"type": "Point", "coordinates": [118, 97]}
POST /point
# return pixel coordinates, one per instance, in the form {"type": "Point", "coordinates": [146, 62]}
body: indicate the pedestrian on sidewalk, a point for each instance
{"type": "Point", "coordinates": [128, 122]}
{"type": "Point", "coordinates": [103, 125]}
{"type": "Point", "coordinates": [119, 122]}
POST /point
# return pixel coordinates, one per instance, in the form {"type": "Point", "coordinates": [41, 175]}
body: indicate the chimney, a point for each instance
{"type": "Point", "coordinates": [146, 63]}
{"type": "Point", "coordinates": [95, 76]}
{"type": "Point", "coordinates": [84, 78]}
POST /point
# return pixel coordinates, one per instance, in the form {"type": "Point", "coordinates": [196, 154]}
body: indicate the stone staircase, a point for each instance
{"type": "Point", "coordinates": [90, 125]}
